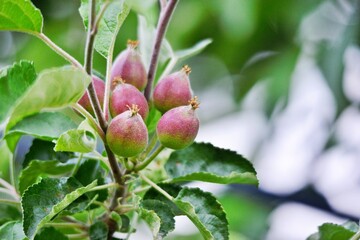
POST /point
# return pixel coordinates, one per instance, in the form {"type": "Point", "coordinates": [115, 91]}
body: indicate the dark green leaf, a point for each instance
{"type": "Point", "coordinates": [89, 171]}
{"type": "Point", "coordinates": [45, 125]}
{"type": "Point", "coordinates": [50, 233]}
{"type": "Point", "coordinates": [98, 231]}
{"type": "Point", "coordinates": [12, 231]}
{"type": "Point", "coordinates": [8, 213]}
{"type": "Point", "coordinates": [44, 200]}
{"type": "Point", "coordinates": [171, 189]}
{"type": "Point", "coordinates": [109, 25]}
{"type": "Point", "coordinates": [205, 212]}
{"type": "Point", "coordinates": [159, 216]}
{"type": "Point", "coordinates": [14, 81]}
{"type": "Point", "coordinates": [20, 15]}
{"type": "Point", "coordinates": [44, 150]}
{"type": "Point", "coordinates": [76, 140]}
{"type": "Point", "coordinates": [204, 162]}
{"type": "Point", "coordinates": [53, 89]}
{"type": "Point", "coordinates": [38, 168]}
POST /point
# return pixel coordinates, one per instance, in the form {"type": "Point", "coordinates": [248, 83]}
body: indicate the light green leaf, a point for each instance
{"type": "Point", "coordinates": [152, 119]}
{"type": "Point", "coordinates": [330, 231]}
{"type": "Point", "coordinates": [159, 217]}
{"type": "Point", "coordinates": [109, 25]}
{"type": "Point", "coordinates": [41, 168]}
{"type": "Point", "coordinates": [53, 89]}
{"type": "Point", "coordinates": [45, 125]}
{"type": "Point", "coordinates": [6, 160]}
{"type": "Point", "coordinates": [205, 212]}
{"type": "Point", "coordinates": [181, 55]}
{"type": "Point", "coordinates": [50, 233]}
{"type": "Point", "coordinates": [20, 15]}
{"type": "Point", "coordinates": [146, 35]}
{"type": "Point", "coordinates": [76, 141]}
{"type": "Point", "coordinates": [14, 81]}
{"type": "Point", "coordinates": [204, 162]}
{"type": "Point", "coordinates": [98, 231]}
{"type": "Point", "coordinates": [12, 231]}
{"type": "Point", "coordinates": [44, 200]}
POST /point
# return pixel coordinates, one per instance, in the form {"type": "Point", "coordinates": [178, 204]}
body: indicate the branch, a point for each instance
{"type": "Point", "coordinates": [145, 163]}
{"type": "Point", "coordinates": [161, 29]}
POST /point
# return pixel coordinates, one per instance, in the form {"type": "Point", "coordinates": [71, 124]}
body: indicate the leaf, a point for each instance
{"type": "Point", "coordinates": [12, 231]}
{"type": "Point", "coordinates": [146, 35]}
{"type": "Point", "coordinates": [50, 233]}
{"type": "Point", "coordinates": [152, 119]}
{"type": "Point", "coordinates": [194, 50]}
{"type": "Point", "coordinates": [8, 213]}
{"type": "Point", "coordinates": [44, 200]}
{"type": "Point", "coordinates": [20, 15]}
{"type": "Point", "coordinates": [109, 25]}
{"type": "Point", "coordinates": [98, 231]}
{"type": "Point", "coordinates": [39, 168]}
{"type": "Point", "coordinates": [53, 89]}
{"type": "Point", "coordinates": [89, 171]}
{"type": "Point", "coordinates": [76, 140]}
{"type": "Point", "coordinates": [204, 162]}
{"type": "Point", "coordinates": [14, 81]}
{"type": "Point", "coordinates": [159, 216]}
{"type": "Point", "coordinates": [6, 160]}
{"type": "Point", "coordinates": [330, 231]}
{"type": "Point", "coordinates": [44, 150]}
{"type": "Point", "coordinates": [44, 125]}
{"type": "Point", "coordinates": [171, 189]}
{"type": "Point", "coordinates": [205, 212]}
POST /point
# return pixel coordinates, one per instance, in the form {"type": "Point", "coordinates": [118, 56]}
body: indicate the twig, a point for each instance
{"type": "Point", "coordinates": [156, 187]}
{"type": "Point", "coordinates": [59, 50]}
{"type": "Point", "coordinates": [145, 163]}
{"type": "Point", "coordinates": [10, 188]}
{"type": "Point", "coordinates": [161, 29]}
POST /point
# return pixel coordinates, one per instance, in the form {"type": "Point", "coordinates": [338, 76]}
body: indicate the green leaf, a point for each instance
{"type": "Point", "coordinates": [8, 213]}
{"type": "Point", "coordinates": [50, 233]}
{"type": "Point", "coordinates": [204, 162]}
{"type": "Point", "coordinates": [330, 231]}
{"type": "Point", "coordinates": [184, 54]}
{"type": "Point", "coordinates": [39, 168]}
{"type": "Point", "coordinates": [152, 119]}
{"type": "Point", "coordinates": [53, 89]}
{"type": "Point", "coordinates": [14, 81]}
{"type": "Point", "coordinates": [98, 231]}
{"type": "Point", "coordinates": [146, 35]}
{"type": "Point", "coordinates": [159, 216]}
{"type": "Point", "coordinates": [44, 125]}
{"type": "Point", "coordinates": [12, 231]}
{"type": "Point", "coordinates": [20, 15]}
{"type": "Point", "coordinates": [109, 25]}
{"type": "Point", "coordinates": [44, 150]}
{"type": "Point", "coordinates": [44, 200]}
{"type": "Point", "coordinates": [6, 160]}
{"type": "Point", "coordinates": [171, 189]}
{"type": "Point", "coordinates": [76, 141]}
{"type": "Point", "coordinates": [205, 212]}
{"type": "Point", "coordinates": [89, 171]}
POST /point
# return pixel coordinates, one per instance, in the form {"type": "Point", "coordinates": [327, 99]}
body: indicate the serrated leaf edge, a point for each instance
{"type": "Point", "coordinates": [58, 207]}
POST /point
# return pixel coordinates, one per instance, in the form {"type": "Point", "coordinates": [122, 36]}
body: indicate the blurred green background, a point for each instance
{"type": "Point", "coordinates": [279, 84]}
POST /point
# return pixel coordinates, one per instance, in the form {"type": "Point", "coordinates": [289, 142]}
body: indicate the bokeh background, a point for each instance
{"type": "Point", "coordinates": [280, 84]}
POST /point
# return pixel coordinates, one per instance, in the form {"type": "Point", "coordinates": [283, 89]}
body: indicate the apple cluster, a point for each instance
{"type": "Point", "coordinates": [127, 134]}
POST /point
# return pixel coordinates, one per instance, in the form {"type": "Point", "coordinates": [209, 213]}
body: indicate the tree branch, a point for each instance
{"type": "Point", "coordinates": [161, 29]}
